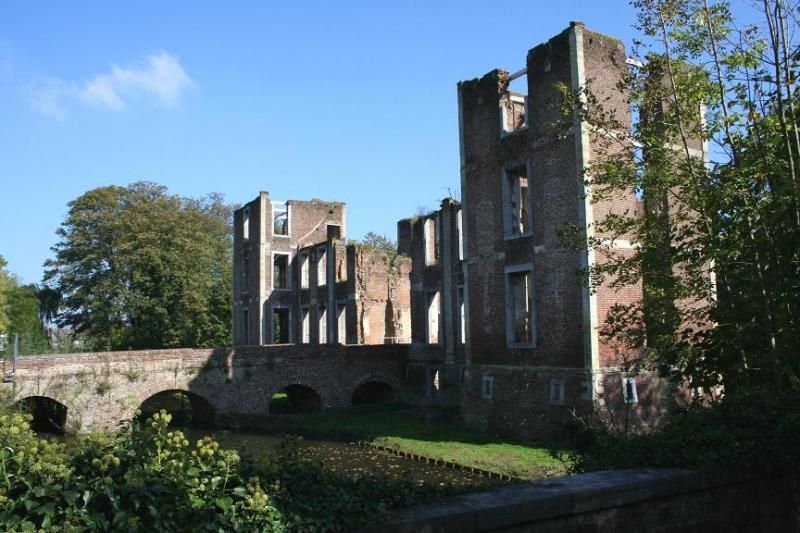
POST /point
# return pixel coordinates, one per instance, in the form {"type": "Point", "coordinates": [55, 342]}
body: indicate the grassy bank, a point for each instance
{"type": "Point", "coordinates": [439, 438]}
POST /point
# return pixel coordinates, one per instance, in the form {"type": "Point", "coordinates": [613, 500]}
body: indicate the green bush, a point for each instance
{"type": "Point", "coordinates": [150, 477]}
{"type": "Point", "coordinates": [747, 429]}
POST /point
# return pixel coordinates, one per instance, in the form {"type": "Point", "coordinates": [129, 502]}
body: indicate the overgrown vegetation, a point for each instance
{"type": "Point", "coordinates": [393, 427]}
{"type": "Point", "coordinates": [151, 478]}
{"type": "Point", "coordinates": [750, 429]}
{"type": "Point", "coordinates": [715, 159]}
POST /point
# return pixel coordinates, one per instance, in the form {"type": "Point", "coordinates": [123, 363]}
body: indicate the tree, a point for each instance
{"type": "Point", "coordinates": [7, 282]}
{"type": "Point", "coordinates": [380, 243]}
{"type": "Point", "coordinates": [719, 240]}
{"type": "Point", "coordinates": [24, 321]}
{"type": "Point", "coordinates": [136, 267]}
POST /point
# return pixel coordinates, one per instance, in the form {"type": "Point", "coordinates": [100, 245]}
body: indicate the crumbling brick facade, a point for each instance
{"type": "Point", "coordinates": [533, 346]}
{"type": "Point", "coordinates": [295, 281]}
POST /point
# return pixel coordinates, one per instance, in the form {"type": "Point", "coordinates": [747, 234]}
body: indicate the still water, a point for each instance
{"type": "Point", "coordinates": [349, 459]}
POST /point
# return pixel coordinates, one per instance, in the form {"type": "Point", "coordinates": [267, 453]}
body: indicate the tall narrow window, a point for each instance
{"type": "Point", "coordinates": [431, 238]}
{"type": "Point", "coordinates": [520, 307]}
{"type": "Point", "coordinates": [460, 230]}
{"type": "Point", "coordinates": [245, 273]}
{"type": "Point", "coordinates": [341, 323]}
{"type": "Point", "coordinates": [245, 327]}
{"type": "Point", "coordinates": [305, 325]}
{"type": "Point", "coordinates": [304, 270]}
{"type": "Point", "coordinates": [280, 218]}
{"type": "Point", "coordinates": [322, 267]}
{"type": "Point", "coordinates": [322, 325]}
{"type": "Point", "coordinates": [462, 322]}
{"type": "Point", "coordinates": [433, 311]}
{"type": "Point", "coordinates": [246, 223]}
{"type": "Point", "coordinates": [280, 325]}
{"type": "Point", "coordinates": [517, 200]}
{"type": "Point", "coordinates": [280, 271]}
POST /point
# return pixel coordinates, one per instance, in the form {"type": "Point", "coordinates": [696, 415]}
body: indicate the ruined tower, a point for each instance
{"type": "Point", "coordinates": [532, 345]}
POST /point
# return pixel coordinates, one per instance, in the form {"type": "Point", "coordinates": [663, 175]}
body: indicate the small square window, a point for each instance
{"type": "Point", "coordinates": [557, 387]}
{"type": "Point", "coordinates": [629, 390]}
{"type": "Point", "coordinates": [487, 390]}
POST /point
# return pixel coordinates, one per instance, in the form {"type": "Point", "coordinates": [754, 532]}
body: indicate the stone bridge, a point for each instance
{"type": "Point", "coordinates": [233, 386]}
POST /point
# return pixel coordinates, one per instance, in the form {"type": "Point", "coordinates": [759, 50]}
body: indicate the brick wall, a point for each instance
{"type": "Point", "coordinates": [101, 389]}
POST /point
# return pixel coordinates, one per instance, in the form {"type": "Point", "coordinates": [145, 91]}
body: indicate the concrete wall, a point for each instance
{"type": "Point", "coordinates": [647, 500]}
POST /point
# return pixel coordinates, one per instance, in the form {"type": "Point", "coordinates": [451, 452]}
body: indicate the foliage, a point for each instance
{"type": "Point", "coordinates": [23, 314]}
{"type": "Point", "coordinates": [149, 477]}
{"type": "Point", "coordinates": [19, 315]}
{"type": "Point", "coordinates": [718, 243]}
{"type": "Point", "coordinates": [752, 428]}
{"type": "Point", "coordinates": [380, 244]}
{"type": "Point", "coordinates": [7, 281]}
{"type": "Point", "coordinates": [136, 267]}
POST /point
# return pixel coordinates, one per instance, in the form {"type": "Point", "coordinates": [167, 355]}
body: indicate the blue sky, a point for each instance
{"type": "Point", "coordinates": [350, 101]}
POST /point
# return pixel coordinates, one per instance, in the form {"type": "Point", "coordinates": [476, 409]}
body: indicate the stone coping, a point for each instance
{"type": "Point", "coordinates": [516, 505]}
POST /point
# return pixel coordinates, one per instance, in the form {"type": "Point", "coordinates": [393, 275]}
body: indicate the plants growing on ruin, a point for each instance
{"type": "Point", "coordinates": [715, 159]}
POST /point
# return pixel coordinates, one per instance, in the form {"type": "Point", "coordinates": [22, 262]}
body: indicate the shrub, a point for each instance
{"type": "Point", "coordinates": [149, 477]}
{"type": "Point", "coordinates": [749, 428]}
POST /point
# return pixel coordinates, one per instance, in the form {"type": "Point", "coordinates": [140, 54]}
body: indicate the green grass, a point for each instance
{"type": "Point", "coordinates": [395, 427]}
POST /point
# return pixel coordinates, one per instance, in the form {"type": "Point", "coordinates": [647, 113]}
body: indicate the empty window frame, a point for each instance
{"type": "Point", "coordinates": [305, 325]}
{"type": "Point", "coordinates": [281, 325]}
{"type": "Point", "coordinates": [245, 273]}
{"type": "Point", "coordinates": [487, 387]}
{"type": "Point", "coordinates": [516, 201]}
{"type": "Point", "coordinates": [280, 271]}
{"type": "Point", "coordinates": [245, 327]}
{"type": "Point", "coordinates": [246, 223]}
{"type": "Point", "coordinates": [334, 232]}
{"type": "Point", "coordinates": [460, 230]}
{"type": "Point", "coordinates": [304, 263]}
{"type": "Point", "coordinates": [280, 219]}
{"type": "Point", "coordinates": [520, 327]}
{"type": "Point", "coordinates": [431, 240]}
{"type": "Point", "coordinates": [557, 388]}
{"type": "Point", "coordinates": [341, 322]}
{"type": "Point", "coordinates": [514, 104]}
{"type": "Point", "coordinates": [322, 325]}
{"type": "Point", "coordinates": [322, 267]}
{"type": "Point", "coordinates": [462, 321]}
{"type": "Point", "coordinates": [433, 312]}
{"type": "Point", "coordinates": [629, 393]}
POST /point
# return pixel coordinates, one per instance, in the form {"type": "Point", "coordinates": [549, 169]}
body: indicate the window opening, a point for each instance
{"type": "Point", "coordinates": [520, 306]}
{"type": "Point", "coordinates": [280, 271]}
{"type": "Point", "coordinates": [517, 201]}
{"type": "Point", "coordinates": [322, 267]}
{"type": "Point", "coordinates": [322, 326]}
{"type": "Point", "coordinates": [341, 323]}
{"type": "Point", "coordinates": [433, 309]}
{"type": "Point", "coordinates": [280, 325]}
{"type": "Point", "coordinates": [431, 238]}
{"type": "Point", "coordinates": [304, 270]}
{"type": "Point", "coordinates": [280, 218]}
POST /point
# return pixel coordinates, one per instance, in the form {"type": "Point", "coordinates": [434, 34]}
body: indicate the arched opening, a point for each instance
{"type": "Point", "coordinates": [295, 399]}
{"type": "Point", "coordinates": [49, 415]}
{"type": "Point", "coordinates": [374, 392]}
{"type": "Point", "coordinates": [187, 409]}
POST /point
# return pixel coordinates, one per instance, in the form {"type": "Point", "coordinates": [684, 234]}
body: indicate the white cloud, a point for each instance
{"type": "Point", "coordinates": [161, 79]}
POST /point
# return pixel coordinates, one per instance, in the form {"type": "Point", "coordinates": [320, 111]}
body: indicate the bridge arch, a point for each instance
{"type": "Point", "coordinates": [295, 398]}
{"type": "Point", "coordinates": [49, 415]}
{"type": "Point", "coordinates": [375, 389]}
{"type": "Point", "coordinates": [187, 408]}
